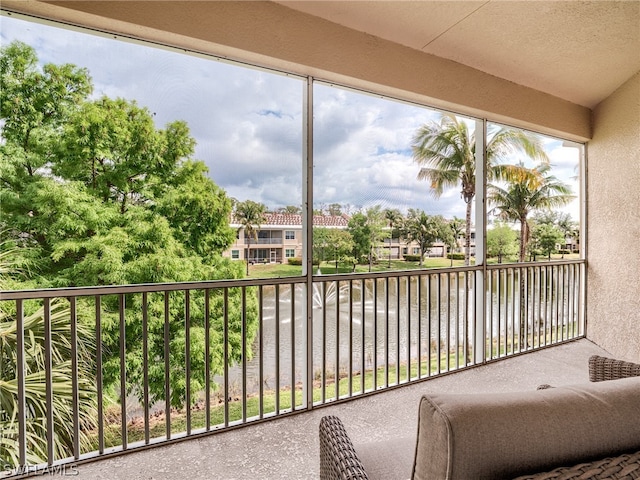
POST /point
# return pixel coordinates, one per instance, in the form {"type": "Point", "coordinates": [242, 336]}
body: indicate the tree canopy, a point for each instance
{"type": "Point", "coordinates": [97, 192]}
{"type": "Point", "coordinates": [93, 192]}
{"type": "Point", "coordinates": [425, 230]}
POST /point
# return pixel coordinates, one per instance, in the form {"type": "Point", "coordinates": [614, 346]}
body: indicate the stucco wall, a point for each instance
{"type": "Point", "coordinates": [613, 294]}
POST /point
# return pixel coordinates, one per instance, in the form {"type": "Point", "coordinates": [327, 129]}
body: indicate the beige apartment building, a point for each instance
{"type": "Point", "coordinates": [280, 238]}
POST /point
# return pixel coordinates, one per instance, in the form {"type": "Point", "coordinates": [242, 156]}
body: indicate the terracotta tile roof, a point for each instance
{"type": "Point", "coordinates": [287, 219]}
{"type": "Point", "coordinates": [318, 220]}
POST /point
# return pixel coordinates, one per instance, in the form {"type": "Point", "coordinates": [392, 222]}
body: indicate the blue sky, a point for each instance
{"type": "Point", "coordinates": [248, 123]}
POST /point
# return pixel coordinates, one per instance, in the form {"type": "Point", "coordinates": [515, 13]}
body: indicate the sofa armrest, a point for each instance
{"type": "Point", "coordinates": [503, 435]}
{"type": "Point", "coordinates": [338, 458]}
{"type": "Point", "coordinates": [602, 368]}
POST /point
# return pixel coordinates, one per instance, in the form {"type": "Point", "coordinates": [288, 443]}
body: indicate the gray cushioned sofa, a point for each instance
{"type": "Point", "coordinates": [585, 431]}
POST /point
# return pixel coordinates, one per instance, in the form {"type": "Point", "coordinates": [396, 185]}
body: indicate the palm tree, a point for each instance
{"type": "Point", "coordinates": [35, 391]}
{"type": "Point", "coordinates": [446, 149]}
{"type": "Point", "coordinates": [570, 230]}
{"type": "Point", "coordinates": [250, 215]}
{"type": "Point", "coordinates": [528, 190]}
{"type": "Point", "coordinates": [425, 230]}
{"type": "Point", "coordinates": [394, 217]}
{"type": "Point", "coordinates": [457, 229]}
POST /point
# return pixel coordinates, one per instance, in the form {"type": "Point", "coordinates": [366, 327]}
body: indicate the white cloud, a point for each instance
{"type": "Point", "coordinates": [248, 123]}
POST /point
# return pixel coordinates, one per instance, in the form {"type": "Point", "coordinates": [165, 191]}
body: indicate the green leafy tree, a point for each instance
{"type": "Point", "coordinates": [360, 231]}
{"type": "Point", "coordinates": [446, 151]}
{"type": "Point", "coordinates": [532, 189]}
{"type": "Point", "coordinates": [197, 209]}
{"type": "Point", "coordinates": [331, 244]}
{"type": "Point", "coordinates": [250, 215]}
{"type": "Point", "coordinates": [93, 193]}
{"type": "Point", "coordinates": [546, 238]}
{"type": "Point", "coordinates": [367, 230]}
{"type": "Point", "coordinates": [502, 241]}
{"type": "Point", "coordinates": [425, 230]}
{"type": "Point", "coordinates": [34, 101]}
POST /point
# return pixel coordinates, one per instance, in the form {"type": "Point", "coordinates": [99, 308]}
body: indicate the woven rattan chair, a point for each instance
{"type": "Point", "coordinates": [624, 467]}
{"type": "Point", "coordinates": [338, 458]}
{"type": "Point", "coordinates": [603, 368]}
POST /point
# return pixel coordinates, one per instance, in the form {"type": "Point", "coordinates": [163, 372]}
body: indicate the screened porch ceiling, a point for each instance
{"type": "Point", "coordinates": [576, 50]}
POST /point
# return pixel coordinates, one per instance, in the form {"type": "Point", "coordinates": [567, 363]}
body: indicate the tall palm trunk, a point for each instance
{"type": "Point", "coordinates": [524, 237]}
{"type": "Point", "coordinates": [248, 253]}
{"type": "Point", "coordinates": [467, 236]}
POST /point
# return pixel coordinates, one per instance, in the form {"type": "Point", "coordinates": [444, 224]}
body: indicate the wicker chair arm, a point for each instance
{"type": "Point", "coordinates": [624, 467]}
{"type": "Point", "coordinates": [603, 368]}
{"type": "Point", "coordinates": [338, 458]}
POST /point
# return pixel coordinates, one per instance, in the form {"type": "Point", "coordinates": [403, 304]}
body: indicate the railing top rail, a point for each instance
{"type": "Point", "coordinates": [552, 263]}
{"type": "Point", "coordinates": [392, 273]}
{"type": "Point", "coordinates": [212, 284]}
{"type": "Point", "coordinates": [143, 287]}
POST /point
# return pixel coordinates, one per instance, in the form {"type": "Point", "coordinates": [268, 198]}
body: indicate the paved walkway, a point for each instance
{"type": "Point", "coordinates": [287, 448]}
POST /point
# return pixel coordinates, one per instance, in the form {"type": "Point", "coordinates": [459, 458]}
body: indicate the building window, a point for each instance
{"type": "Point", "coordinates": [235, 254]}
{"type": "Point", "coordinates": [290, 235]}
{"type": "Point", "coordinates": [290, 252]}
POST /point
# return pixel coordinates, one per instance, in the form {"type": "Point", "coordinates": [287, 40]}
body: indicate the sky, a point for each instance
{"type": "Point", "coordinates": [248, 123]}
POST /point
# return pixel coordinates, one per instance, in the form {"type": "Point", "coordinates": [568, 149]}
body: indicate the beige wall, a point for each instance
{"type": "Point", "coordinates": [613, 299]}
{"type": "Point", "coordinates": [270, 34]}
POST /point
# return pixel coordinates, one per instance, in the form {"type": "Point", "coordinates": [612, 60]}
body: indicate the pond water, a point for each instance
{"type": "Point", "coordinates": [384, 320]}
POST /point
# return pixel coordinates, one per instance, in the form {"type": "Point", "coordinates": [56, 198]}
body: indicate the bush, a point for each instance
{"type": "Point", "coordinates": [455, 256]}
{"type": "Point", "coordinates": [298, 261]}
{"type": "Point", "coordinates": [412, 258]}
{"type": "Point", "coordinates": [564, 252]}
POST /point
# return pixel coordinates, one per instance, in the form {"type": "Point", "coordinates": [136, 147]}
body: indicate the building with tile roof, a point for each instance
{"type": "Point", "coordinates": [280, 237]}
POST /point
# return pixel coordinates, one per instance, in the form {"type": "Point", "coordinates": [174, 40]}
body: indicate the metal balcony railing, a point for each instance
{"type": "Point", "coordinates": [101, 370]}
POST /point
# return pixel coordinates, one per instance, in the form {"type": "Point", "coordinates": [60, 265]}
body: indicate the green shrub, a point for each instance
{"type": "Point", "coordinates": [412, 258]}
{"type": "Point", "coordinates": [455, 256]}
{"type": "Point", "coordinates": [294, 261]}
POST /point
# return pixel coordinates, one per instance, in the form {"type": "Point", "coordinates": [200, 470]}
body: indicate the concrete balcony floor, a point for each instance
{"type": "Point", "coordinates": [287, 448]}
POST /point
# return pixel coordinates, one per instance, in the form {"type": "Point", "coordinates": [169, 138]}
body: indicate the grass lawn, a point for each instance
{"type": "Point", "coordinates": [277, 270]}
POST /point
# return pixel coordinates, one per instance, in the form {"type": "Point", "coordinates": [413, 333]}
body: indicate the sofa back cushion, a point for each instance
{"type": "Point", "coordinates": [503, 435]}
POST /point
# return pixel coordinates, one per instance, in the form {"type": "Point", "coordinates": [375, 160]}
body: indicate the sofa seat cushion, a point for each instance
{"type": "Point", "coordinates": [504, 435]}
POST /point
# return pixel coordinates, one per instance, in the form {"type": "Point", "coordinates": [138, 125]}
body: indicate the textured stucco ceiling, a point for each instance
{"type": "Point", "coordinates": [580, 51]}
